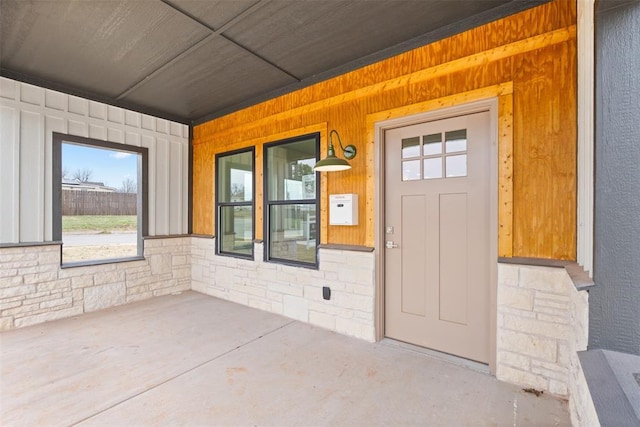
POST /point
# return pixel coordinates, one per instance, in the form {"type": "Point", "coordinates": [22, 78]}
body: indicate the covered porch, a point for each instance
{"type": "Point", "coordinates": [192, 359]}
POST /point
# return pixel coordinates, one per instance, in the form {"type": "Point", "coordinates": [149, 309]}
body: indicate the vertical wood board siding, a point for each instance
{"type": "Point", "coordinates": [28, 117]}
{"type": "Point", "coordinates": [535, 50]}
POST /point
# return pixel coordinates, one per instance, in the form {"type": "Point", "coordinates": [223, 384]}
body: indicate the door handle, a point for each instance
{"type": "Point", "coordinates": [390, 245]}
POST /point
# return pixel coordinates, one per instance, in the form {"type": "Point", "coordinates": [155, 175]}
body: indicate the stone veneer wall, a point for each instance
{"type": "Point", "coordinates": [34, 289]}
{"type": "Point", "coordinates": [295, 292]}
{"type": "Point", "coordinates": [581, 408]}
{"type": "Point", "coordinates": [542, 323]}
{"type": "Point", "coordinates": [542, 318]}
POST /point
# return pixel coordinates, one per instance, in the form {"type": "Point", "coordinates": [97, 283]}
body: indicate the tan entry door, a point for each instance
{"type": "Point", "coordinates": [437, 235]}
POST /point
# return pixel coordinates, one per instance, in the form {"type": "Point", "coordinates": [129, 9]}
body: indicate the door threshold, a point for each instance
{"type": "Point", "coordinates": [445, 357]}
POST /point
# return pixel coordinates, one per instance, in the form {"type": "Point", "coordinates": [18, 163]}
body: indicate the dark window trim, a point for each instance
{"type": "Point", "coordinates": [267, 203]}
{"type": "Point", "coordinates": [252, 203]}
{"type": "Point", "coordinates": [143, 195]}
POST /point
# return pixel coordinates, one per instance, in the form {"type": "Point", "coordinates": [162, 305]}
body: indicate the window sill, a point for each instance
{"type": "Point", "coordinates": [101, 262]}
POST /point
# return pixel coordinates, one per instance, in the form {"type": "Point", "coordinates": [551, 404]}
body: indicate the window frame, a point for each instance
{"type": "Point", "coordinates": [219, 205]}
{"type": "Point", "coordinates": [142, 199]}
{"type": "Point", "coordinates": [267, 203]}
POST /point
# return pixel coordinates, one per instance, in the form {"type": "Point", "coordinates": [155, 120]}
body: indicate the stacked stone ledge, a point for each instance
{"type": "Point", "coordinates": [34, 289]}
{"type": "Point", "coordinates": [295, 292]}
{"type": "Point", "coordinates": [541, 324]}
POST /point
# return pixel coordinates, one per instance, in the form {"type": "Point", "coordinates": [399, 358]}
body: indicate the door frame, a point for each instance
{"type": "Point", "coordinates": [379, 128]}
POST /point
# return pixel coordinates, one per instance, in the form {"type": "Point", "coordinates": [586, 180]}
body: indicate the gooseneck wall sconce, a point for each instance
{"type": "Point", "coordinates": [332, 163]}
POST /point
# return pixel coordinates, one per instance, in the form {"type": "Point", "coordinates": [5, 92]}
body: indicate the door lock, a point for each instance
{"type": "Point", "coordinates": [390, 245]}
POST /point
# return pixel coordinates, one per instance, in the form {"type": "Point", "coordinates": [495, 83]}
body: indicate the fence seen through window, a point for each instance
{"type": "Point", "coordinates": [99, 203]}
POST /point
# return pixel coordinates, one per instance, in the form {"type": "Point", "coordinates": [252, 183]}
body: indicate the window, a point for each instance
{"type": "Point", "coordinates": [99, 200]}
{"type": "Point", "coordinates": [429, 155]}
{"type": "Point", "coordinates": [291, 200]}
{"type": "Point", "coordinates": [234, 201]}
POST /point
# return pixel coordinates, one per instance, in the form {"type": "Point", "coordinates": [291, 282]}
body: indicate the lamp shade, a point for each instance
{"type": "Point", "coordinates": [331, 164]}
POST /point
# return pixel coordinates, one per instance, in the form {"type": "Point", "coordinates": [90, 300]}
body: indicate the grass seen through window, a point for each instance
{"type": "Point", "coordinates": [104, 224]}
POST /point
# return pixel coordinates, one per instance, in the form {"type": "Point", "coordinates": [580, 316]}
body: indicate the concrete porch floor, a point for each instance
{"type": "Point", "coordinates": [191, 359]}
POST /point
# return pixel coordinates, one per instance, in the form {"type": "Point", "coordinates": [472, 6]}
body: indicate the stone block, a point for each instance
{"type": "Point", "coordinates": [132, 290]}
{"type": "Point", "coordinates": [537, 327]}
{"type": "Point", "coordinates": [544, 279]}
{"type": "Point", "coordinates": [285, 289]}
{"type": "Point", "coordinates": [198, 286]}
{"type": "Point", "coordinates": [274, 296]}
{"type": "Point", "coordinates": [21, 310]}
{"type": "Point", "coordinates": [348, 274]}
{"type": "Point", "coordinates": [328, 308]}
{"type": "Point", "coordinates": [550, 310]}
{"type": "Point", "coordinates": [550, 370]}
{"type": "Point", "coordinates": [11, 304]}
{"type": "Point", "coordinates": [313, 293]}
{"type": "Point", "coordinates": [6, 323]}
{"type": "Point", "coordinates": [296, 308]}
{"type": "Point", "coordinates": [362, 260]}
{"type": "Point", "coordinates": [285, 277]}
{"type": "Point", "coordinates": [259, 304]}
{"type": "Point", "coordinates": [8, 273]}
{"type": "Point", "coordinates": [49, 257]}
{"type": "Point", "coordinates": [527, 314]}
{"type": "Point", "coordinates": [559, 388]}
{"type": "Point", "coordinates": [255, 291]}
{"type": "Point", "coordinates": [514, 360]}
{"type": "Point", "coordinates": [15, 291]}
{"type": "Point", "coordinates": [560, 305]}
{"type": "Point", "coordinates": [355, 329]}
{"type": "Point", "coordinates": [104, 296]}
{"type": "Point", "coordinates": [528, 345]}
{"type": "Point", "coordinates": [364, 277]}
{"type": "Point", "coordinates": [77, 295]}
{"type": "Point", "coordinates": [162, 284]}
{"type": "Point", "coordinates": [331, 266]}
{"type": "Point", "coordinates": [552, 318]}
{"type": "Point", "coordinates": [354, 302]}
{"type": "Point", "coordinates": [364, 290]}
{"type": "Point", "coordinates": [553, 297]}
{"type": "Point", "coordinates": [366, 316]}
{"type": "Point", "coordinates": [81, 282]}
{"type": "Point", "coordinates": [39, 297]}
{"type": "Point", "coordinates": [322, 320]}
{"type": "Point", "coordinates": [108, 277]}
{"type": "Point", "coordinates": [57, 302]}
{"type": "Point", "coordinates": [237, 297]}
{"type": "Point", "coordinates": [520, 377]}
{"type": "Point", "coordinates": [40, 277]}
{"type": "Point", "coordinates": [277, 307]}
{"type": "Point", "coordinates": [179, 260]}
{"type": "Point", "coordinates": [55, 285]}
{"type": "Point", "coordinates": [515, 297]}
{"type": "Point", "coordinates": [8, 282]}
{"type": "Point", "coordinates": [508, 275]}
{"type": "Point", "coordinates": [139, 297]}
{"type": "Point", "coordinates": [181, 272]}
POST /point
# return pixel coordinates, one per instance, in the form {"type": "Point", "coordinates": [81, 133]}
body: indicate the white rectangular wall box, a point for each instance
{"type": "Point", "coordinates": [343, 209]}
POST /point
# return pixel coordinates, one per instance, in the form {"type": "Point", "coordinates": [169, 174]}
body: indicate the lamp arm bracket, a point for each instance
{"type": "Point", "coordinates": [349, 152]}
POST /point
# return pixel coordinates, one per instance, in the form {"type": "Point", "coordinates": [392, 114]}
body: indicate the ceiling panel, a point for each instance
{"type": "Point", "coordinates": [192, 60]}
{"type": "Point", "coordinates": [307, 37]}
{"type": "Point", "coordinates": [217, 75]}
{"type": "Point", "coordinates": [98, 46]}
{"type": "Point", "coordinates": [214, 13]}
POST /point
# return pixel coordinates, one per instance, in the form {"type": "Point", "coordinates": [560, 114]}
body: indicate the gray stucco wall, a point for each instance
{"type": "Point", "coordinates": [615, 300]}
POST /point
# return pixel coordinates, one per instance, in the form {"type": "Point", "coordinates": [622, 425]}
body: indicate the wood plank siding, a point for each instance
{"type": "Point", "coordinates": [527, 60]}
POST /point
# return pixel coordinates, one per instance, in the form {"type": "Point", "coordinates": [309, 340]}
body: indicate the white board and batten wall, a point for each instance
{"type": "Point", "coordinates": [28, 117]}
